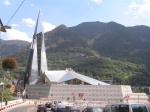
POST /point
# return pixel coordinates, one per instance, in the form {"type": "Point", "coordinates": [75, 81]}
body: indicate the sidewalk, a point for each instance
{"type": "Point", "coordinates": [11, 104]}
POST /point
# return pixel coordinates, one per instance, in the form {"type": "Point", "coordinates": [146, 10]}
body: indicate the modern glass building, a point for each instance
{"type": "Point", "coordinates": [37, 62]}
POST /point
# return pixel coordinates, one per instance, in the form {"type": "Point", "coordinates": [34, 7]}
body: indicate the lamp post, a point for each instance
{"type": "Point", "coordinates": [19, 91]}
{"type": "Point", "coordinates": [2, 93]}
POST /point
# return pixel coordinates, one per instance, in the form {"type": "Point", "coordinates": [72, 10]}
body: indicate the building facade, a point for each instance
{"type": "Point", "coordinates": [100, 93]}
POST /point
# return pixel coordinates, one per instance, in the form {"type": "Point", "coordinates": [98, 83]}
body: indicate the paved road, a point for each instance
{"type": "Point", "coordinates": [25, 107]}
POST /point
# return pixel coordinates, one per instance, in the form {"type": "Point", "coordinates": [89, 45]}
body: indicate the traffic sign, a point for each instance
{"type": "Point", "coordinates": [81, 95]}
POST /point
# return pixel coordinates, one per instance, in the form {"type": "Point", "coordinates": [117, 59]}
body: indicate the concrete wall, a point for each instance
{"type": "Point", "coordinates": [90, 92]}
{"type": "Point", "coordinates": [104, 93]}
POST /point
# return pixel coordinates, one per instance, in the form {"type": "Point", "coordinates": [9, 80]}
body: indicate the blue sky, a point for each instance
{"type": "Point", "coordinates": [69, 13]}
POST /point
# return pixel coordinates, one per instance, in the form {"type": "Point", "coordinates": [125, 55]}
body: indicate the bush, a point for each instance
{"type": "Point", "coordinates": [9, 64]}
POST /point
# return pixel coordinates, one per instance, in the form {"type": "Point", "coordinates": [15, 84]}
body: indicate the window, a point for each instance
{"type": "Point", "coordinates": [120, 108]}
{"type": "Point", "coordinates": [107, 109]}
{"type": "Point", "coordinates": [138, 108]}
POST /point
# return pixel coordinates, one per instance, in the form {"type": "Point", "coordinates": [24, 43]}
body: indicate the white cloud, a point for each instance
{"type": "Point", "coordinates": [14, 25]}
{"type": "Point", "coordinates": [92, 3]}
{"type": "Point", "coordinates": [139, 9]}
{"type": "Point", "coordinates": [48, 26]}
{"type": "Point", "coordinates": [132, 5]}
{"type": "Point", "coordinates": [6, 2]}
{"type": "Point", "coordinates": [14, 34]}
{"type": "Point", "coordinates": [29, 22]}
{"type": "Point", "coordinates": [97, 1]}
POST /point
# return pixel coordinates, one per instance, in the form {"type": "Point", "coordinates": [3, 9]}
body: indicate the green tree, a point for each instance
{"type": "Point", "coordinates": [8, 64]}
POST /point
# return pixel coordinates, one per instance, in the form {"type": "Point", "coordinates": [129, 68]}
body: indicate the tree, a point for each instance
{"type": "Point", "coordinates": [9, 64]}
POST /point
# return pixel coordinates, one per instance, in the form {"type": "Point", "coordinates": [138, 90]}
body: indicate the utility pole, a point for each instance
{"type": "Point", "coordinates": [2, 91]}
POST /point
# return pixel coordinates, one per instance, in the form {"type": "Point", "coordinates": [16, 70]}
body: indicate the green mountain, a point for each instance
{"type": "Point", "coordinates": [9, 47]}
{"type": "Point", "coordinates": [117, 41]}
{"type": "Point", "coordinates": [105, 51]}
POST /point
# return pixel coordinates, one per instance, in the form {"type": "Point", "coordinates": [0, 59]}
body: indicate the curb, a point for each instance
{"type": "Point", "coordinates": [12, 105]}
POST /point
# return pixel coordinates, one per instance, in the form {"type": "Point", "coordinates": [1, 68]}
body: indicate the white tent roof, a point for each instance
{"type": "Point", "coordinates": [64, 75]}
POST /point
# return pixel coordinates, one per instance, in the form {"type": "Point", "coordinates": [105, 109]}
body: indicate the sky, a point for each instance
{"type": "Point", "coordinates": [69, 13]}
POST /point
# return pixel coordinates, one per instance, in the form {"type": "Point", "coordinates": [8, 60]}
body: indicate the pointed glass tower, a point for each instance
{"type": "Point", "coordinates": [37, 62]}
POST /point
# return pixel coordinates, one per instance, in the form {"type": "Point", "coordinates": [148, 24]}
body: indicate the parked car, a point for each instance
{"type": "Point", "coordinates": [71, 109]}
{"type": "Point", "coordinates": [93, 109]}
{"type": "Point", "coordinates": [41, 108]}
{"type": "Point", "coordinates": [48, 106]}
{"type": "Point", "coordinates": [56, 102]}
{"type": "Point", "coordinates": [125, 107]}
{"type": "Point", "coordinates": [60, 107]}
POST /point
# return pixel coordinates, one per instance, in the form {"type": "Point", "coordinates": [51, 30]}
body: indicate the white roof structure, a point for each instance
{"type": "Point", "coordinates": [68, 74]}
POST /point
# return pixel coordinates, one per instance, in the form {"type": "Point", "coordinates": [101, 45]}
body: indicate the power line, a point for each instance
{"type": "Point", "coordinates": [15, 12]}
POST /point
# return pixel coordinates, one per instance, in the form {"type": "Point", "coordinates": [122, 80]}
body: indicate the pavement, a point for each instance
{"type": "Point", "coordinates": [11, 104]}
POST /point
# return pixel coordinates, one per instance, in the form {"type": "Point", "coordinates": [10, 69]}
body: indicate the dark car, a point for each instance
{"type": "Point", "coordinates": [93, 109]}
{"type": "Point", "coordinates": [48, 106]}
{"type": "Point", "coordinates": [71, 109]}
{"type": "Point", "coordinates": [41, 108]}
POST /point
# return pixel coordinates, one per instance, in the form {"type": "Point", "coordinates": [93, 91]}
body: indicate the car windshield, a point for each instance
{"type": "Point", "coordinates": [120, 108]}
{"type": "Point", "coordinates": [139, 108]}
{"type": "Point", "coordinates": [97, 110]}
{"type": "Point", "coordinates": [48, 105]}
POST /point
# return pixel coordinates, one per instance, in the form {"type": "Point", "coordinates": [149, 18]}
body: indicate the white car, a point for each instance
{"type": "Point", "coordinates": [56, 104]}
{"type": "Point", "coordinates": [125, 107]}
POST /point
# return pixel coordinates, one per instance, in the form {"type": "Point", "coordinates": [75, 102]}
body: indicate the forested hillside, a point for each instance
{"type": "Point", "coordinates": [9, 47]}
{"type": "Point", "coordinates": [105, 51]}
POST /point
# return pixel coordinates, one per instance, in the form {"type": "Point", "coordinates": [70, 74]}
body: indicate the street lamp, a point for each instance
{"type": "Point", "coordinates": [3, 28]}
{"type": "Point", "coordinates": [2, 93]}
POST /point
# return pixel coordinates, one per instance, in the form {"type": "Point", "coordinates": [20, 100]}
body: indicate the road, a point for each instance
{"type": "Point", "coordinates": [28, 106]}
{"type": "Point", "coordinates": [25, 107]}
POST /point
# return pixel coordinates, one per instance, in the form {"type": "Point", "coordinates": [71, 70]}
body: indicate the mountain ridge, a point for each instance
{"type": "Point", "coordinates": [9, 47]}
{"type": "Point", "coordinates": [111, 51]}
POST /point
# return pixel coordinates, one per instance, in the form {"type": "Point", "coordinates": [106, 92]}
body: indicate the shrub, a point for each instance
{"type": "Point", "coordinates": [9, 64]}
